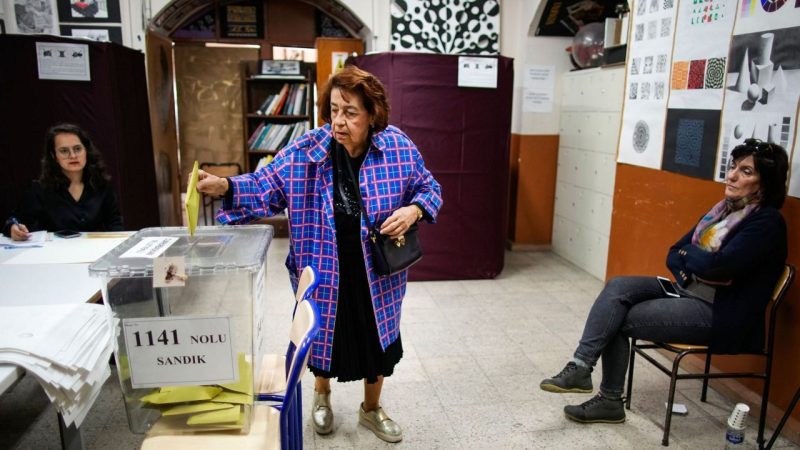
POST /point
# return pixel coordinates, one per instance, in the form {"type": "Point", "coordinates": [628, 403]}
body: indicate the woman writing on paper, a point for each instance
{"type": "Point", "coordinates": [72, 192]}
{"type": "Point", "coordinates": [315, 178]}
{"type": "Point", "coordinates": [726, 268]}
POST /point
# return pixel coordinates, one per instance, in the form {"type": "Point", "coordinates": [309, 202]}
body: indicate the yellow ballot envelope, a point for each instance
{"type": "Point", "coordinates": [192, 200]}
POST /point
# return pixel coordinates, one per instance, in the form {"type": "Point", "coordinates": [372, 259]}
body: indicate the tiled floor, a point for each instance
{"type": "Point", "coordinates": [475, 352]}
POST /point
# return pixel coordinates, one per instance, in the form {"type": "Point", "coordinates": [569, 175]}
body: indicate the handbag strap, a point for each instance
{"type": "Point", "coordinates": [343, 159]}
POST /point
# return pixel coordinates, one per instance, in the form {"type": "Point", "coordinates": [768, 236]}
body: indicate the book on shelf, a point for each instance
{"type": "Point", "coordinates": [299, 103]}
{"type": "Point", "coordinates": [289, 103]}
{"type": "Point", "coordinates": [260, 138]}
{"type": "Point", "coordinates": [269, 135]}
{"type": "Point", "coordinates": [264, 105]}
{"type": "Point", "coordinates": [281, 100]}
{"type": "Point", "coordinates": [255, 135]}
{"type": "Point", "coordinates": [274, 136]}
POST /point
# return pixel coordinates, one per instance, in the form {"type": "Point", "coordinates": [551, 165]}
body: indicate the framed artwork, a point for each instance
{"type": "Point", "coordinates": [273, 67]}
{"type": "Point", "coordinates": [94, 33]}
{"type": "Point", "coordinates": [31, 16]}
{"type": "Point", "coordinates": [242, 20]}
{"type": "Point", "coordinates": [88, 10]}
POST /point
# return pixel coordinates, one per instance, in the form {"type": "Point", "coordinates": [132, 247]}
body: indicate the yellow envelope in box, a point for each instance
{"type": "Point", "coordinates": [223, 416]}
{"type": "Point", "coordinates": [233, 397]}
{"type": "Point", "coordinates": [181, 394]}
{"type": "Point", "coordinates": [192, 200]}
{"type": "Point", "coordinates": [194, 408]}
{"type": "Point", "coordinates": [245, 383]}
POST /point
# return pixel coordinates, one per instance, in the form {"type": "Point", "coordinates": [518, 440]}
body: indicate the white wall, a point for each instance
{"type": "Point", "coordinates": [516, 17]}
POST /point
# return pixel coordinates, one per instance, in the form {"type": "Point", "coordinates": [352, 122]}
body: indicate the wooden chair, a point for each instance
{"type": "Point", "coordinates": [682, 350]}
{"type": "Point", "coordinates": [222, 170]}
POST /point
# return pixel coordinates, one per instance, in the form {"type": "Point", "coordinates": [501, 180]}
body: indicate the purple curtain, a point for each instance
{"type": "Point", "coordinates": [464, 136]}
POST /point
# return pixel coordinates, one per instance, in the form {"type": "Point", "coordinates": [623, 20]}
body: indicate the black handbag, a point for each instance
{"type": "Point", "coordinates": [389, 256]}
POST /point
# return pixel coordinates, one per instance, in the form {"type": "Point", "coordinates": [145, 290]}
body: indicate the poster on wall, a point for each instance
{"type": "Point", "coordinates": [467, 27]}
{"type": "Point", "coordinates": [702, 36]}
{"type": "Point", "coordinates": [60, 61]}
{"type": "Point", "coordinates": [88, 10]}
{"type": "Point", "coordinates": [31, 16]}
{"type": "Point", "coordinates": [93, 33]}
{"type": "Point", "coordinates": [645, 103]}
{"type": "Point", "coordinates": [763, 80]}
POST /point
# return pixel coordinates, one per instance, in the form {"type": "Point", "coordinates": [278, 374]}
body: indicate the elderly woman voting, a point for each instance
{"type": "Point", "coordinates": [726, 268]}
{"type": "Point", "coordinates": [317, 179]}
{"type": "Point", "coordinates": [72, 192]}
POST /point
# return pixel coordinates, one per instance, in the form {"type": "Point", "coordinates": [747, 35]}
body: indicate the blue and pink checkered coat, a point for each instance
{"type": "Point", "coordinates": [300, 180]}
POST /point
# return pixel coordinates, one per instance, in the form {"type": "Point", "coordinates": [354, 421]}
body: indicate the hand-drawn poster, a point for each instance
{"type": "Point", "coordinates": [763, 80]}
{"type": "Point", "coordinates": [702, 37]}
{"type": "Point", "coordinates": [31, 16]}
{"type": "Point", "coordinates": [649, 59]}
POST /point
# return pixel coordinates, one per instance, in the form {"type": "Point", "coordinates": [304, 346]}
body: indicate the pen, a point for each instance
{"type": "Point", "coordinates": [14, 247]}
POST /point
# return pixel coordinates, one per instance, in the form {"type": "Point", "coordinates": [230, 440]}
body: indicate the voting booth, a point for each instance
{"type": "Point", "coordinates": [188, 317]}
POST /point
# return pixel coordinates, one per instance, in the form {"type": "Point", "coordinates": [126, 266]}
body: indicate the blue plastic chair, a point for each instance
{"type": "Point", "coordinates": [292, 408]}
{"type": "Point", "coordinates": [305, 327]}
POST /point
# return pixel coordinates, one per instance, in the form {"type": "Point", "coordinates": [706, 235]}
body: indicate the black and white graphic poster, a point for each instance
{"type": "Point", "coordinates": [31, 16]}
{"type": "Point", "coordinates": [763, 80]}
{"type": "Point", "coordinates": [641, 140]}
{"type": "Point", "coordinates": [466, 27]}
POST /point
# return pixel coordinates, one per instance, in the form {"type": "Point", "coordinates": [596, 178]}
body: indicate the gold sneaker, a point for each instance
{"type": "Point", "coordinates": [379, 423]}
{"type": "Point", "coordinates": [321, 413]}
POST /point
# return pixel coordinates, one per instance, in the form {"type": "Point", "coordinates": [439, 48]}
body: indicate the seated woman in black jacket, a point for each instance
{"type": "Point", "coordinates": [72, 192]}
{"type": "Point", "coordinates": [726, 268]}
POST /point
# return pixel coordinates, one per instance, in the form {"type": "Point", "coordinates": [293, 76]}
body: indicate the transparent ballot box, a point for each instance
{"type": "Point", "coordinates": [188, 317]}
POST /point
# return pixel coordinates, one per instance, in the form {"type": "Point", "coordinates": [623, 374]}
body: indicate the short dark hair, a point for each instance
{"type": "Point", "coordinates": [53, 177]}
{"type": "Point", "coordinates": [772, 164]}
{"type": "Point", "coordinates": [362, 83]}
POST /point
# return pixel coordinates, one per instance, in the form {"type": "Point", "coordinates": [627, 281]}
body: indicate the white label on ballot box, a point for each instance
{"type": "Point", "coordinates": [180, 351]}
{"type": "Point", "coordinates": [150, 247]}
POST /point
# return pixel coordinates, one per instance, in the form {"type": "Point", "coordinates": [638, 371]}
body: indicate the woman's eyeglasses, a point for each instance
{"type": "Point", "coordinates": [761, 147]}
{"type": "Point", "coordinates": [64, 152]}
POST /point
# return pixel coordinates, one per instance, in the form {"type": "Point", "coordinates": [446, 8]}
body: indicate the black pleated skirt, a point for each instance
{"type": "Point", "coordinates": [357, 352]}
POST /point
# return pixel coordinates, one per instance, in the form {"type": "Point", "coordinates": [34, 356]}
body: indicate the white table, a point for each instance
{"type": "Point", "coordinates": [56, 273]}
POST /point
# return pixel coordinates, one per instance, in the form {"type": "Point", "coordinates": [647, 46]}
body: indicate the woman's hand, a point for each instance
{"type": "Point", "coordinates": [19, 232]}
{"type": "Point", "coordinates": [399, 222]}
{"type": "Point", "coordinates": [211, 184]}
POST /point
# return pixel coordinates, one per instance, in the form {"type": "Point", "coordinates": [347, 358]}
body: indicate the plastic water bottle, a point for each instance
{"type": "Point", "coordinates": [734, 437]}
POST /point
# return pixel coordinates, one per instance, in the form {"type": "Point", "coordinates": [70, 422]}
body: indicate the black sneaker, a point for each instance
{"type": "Point", "coordinates": [573, 378]}
{"type": "Point", "coordinates": [598, 409]}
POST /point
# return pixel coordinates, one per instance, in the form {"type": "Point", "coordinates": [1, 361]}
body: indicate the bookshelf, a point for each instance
{"type": "Point", "coordinates": [277, 109]}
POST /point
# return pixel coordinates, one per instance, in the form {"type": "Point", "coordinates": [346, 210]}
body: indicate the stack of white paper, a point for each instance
{"type": "Point", "coordinates": [66, 347]}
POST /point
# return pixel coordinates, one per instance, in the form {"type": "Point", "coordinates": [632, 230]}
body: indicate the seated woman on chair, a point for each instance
{"type": "Point", "coordinates": [726, 268]}
{"type": "Point", "coordinates": [72, 192]}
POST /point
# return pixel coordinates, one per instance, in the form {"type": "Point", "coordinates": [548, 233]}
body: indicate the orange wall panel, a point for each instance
{"type": "Point", "coordinates": [536, 167]}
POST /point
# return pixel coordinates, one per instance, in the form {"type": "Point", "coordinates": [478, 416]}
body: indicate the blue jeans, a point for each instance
{"type": "Point", "coordinates": [636, 307]}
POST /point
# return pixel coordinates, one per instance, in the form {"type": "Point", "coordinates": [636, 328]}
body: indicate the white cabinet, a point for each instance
{"type": "Point", "coordinates": [589, 128]}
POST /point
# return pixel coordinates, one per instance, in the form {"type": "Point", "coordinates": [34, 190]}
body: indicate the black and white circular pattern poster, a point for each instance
{"type": "Point", "coordinates": [465, 27]}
